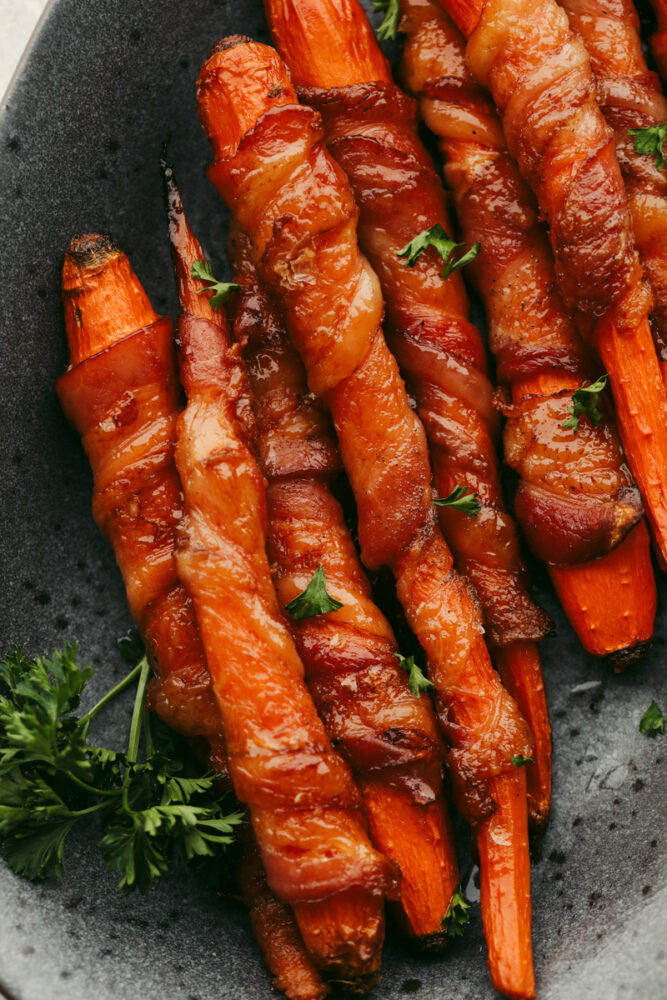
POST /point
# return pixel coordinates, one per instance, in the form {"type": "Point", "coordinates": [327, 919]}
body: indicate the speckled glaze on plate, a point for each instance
{"type": "Point", "coordinates": [104, 84]}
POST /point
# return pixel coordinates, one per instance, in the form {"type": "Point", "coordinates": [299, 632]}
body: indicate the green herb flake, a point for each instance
{"type": "Point", "coordinates": [389, 26]}
{"type": "Point", "coordinates": [314, 600]}
{"type": "Point", "coordinates": [519, 760]}
{"type": "Point", "coordinates": [438, 238]}
{"type": "Point", "coordinates": [649, 142]}
{"type": "Point", "coordinates": [457, 915]}
{"type": "Point", "coordinates": [652, 721]}
{"type": "Point", "coordinates": [460, 499]}
{"type": "Point", "coordinates": [201, 270]}
{"type": "Point", "coordinates": [586, 402]}
{"type": "Point", "coordinates": [417, 681]}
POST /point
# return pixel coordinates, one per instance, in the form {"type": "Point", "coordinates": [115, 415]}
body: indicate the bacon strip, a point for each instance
{"type": "Point", "coordinates": [631, 97]}
{"type": "Point", "coordinates": [293, 201]}
{"type": "Point", "coordinates": [388, 737]}
{"type": "Point", "coordinates": [122, 397]}
{"type": "Point", "coordinates": [540, 77]}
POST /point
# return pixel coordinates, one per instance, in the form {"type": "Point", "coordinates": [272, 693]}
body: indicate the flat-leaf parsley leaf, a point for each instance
{"type": "Point", "coordinates": [201, 269]}
{"type": "Point", "coordinates": [438, 238]}
{"type": "Point", "coordinates": [314, 600]}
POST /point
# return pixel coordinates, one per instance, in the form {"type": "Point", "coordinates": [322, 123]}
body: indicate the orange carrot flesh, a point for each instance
{"type": "Point", "coordinates": [521, 673]}
{"type": "Point", "coordinates": [502, 842]}
{"type": "Point", "coordinates": [99, 281]}
{"type": "Point", "coordinates": [326, 43]}
{"type": "Point", "coordinates": [346, 932]}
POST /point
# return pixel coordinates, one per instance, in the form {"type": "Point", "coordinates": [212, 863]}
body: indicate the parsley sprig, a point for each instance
{"type": "Point", "coordinates": [652, 721]}
{"type": "Point", "coordinates": [586, 402]}
{"type": "Point", "coordinates": [519, 760]}
{"type": "Point", "coordinates": [201, 269]}
{"type": "Point", "coordinates": [457, 915]}
{"type": "Point", "coordinates": [52, 778]}
{"type": "Point", "coordinates": [417, 681]}
{"type": "Point", "coordinates": [460, 499]}
{"type": "Point", "coordinates": [649, 141]}
{"type": "Point", "coordinates": [438, 238]}
{"type": "Point", "coordinates": [389, 26]}
{"type": "Point", "coordinates": [314, 600]}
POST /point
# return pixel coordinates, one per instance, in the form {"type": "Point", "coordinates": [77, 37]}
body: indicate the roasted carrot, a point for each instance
{"type": "Point", "coordinates": [388, 737]}
{"type": "Point", "coordinates": [659, 39]}
{"type": "Point", "coordinates": [539, 356]}
{"type": "Point", "coordinates": [566, 152]}
{"type": "Point", "coordinates": [121, 395]}
{"type": "Point", "coordinates": [294, 203]}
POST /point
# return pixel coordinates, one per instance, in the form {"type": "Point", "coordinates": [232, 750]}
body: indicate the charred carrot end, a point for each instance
{"type": "Point", "coordinates": [99, 281]}
{"type": "Point", "coordinates": [641, 404]}
{"type": "Point", "coordinates": [276, 932]}
{"type": "Point", "coordinates": [326, 43]}
{"type": "Point", "coordinates": [346, 933]}
{"type": "Point", "coordinates": [502, 841]}
{"type": "Point", "coordinates": [464, 13]}
{"type": "Point", "coordinates": [238, 64]}
{"type": "Point", "coordinates": [623, 579]}
{"type": "Point", "coordinates": [420, 839]}
{"type": "Point", "coordinates": [519, 667]}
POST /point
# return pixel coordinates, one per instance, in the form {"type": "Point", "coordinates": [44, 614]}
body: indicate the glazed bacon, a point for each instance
{"type": "Point", "coordinates": [540, 77]}
{"type": "Point", "coordinates": [631, 97]}
{"type": "Point", "coordinates": [122, 396]}
{"type": "Point", "coordinates": [287, 193]}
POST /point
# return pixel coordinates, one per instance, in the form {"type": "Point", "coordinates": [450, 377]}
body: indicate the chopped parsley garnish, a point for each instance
{"type": "Point", "coordinates": [52, 778]}
{"type": "Point", "coordinates": [649, 142]}
{"type": "Point", "coordinates": [457, 915]}
{"type": "Point", "coordinates": [314, 600]}
{"type": "Point", "coordinates": [652, 721]}
{"type": "Point", "coordinates": [519, 760]}
{"type": "Point", "coordinates": [417, 681]}
{"type": "Point", "coordinates": [586, 402]}
{"type": "Point", "coordinates": [460, 499]}
{"type": "Point", "coordinates": [201, 269]}
{"type": "Point", "coordinates": [389, 25]}
{"type": "Point", "coordinates": [438, 238]}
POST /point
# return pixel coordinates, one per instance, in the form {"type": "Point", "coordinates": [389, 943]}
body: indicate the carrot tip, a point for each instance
{"type": "Point", "coordinates": [91, 249]}
{"type": "Point", "coordinates": [621, 659]}
{"type": "Point", "coordinates": [229, 43]}
{"type": "Point", "coordinates": [433, 944]}
{"type": "Point", "coordinates": [360, 985]}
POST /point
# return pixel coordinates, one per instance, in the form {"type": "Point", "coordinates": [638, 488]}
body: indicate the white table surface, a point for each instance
{"type": "Point", "coordinates": [17, 22]}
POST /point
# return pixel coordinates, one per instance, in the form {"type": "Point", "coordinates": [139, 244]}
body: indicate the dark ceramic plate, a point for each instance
{"type": "Point", "coordinates": [103, 85]}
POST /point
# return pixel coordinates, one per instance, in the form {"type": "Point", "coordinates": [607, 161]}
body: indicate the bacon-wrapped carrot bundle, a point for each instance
{"type": "Point", "coordinates": [292, 199]}
{"type": "Point", "coordinates": [122, 396]}
{"type": "Point", "coordinates": [304, 806]}
{"type": "Point", "coordinates": [370, 130]}
{"type": "Point", "coordinates": [540, 77]}
{"type": "Point", "coordinates": [575, 498]}
{"type": "Point", "coordinates": [631, 97]}
{"type": "Point", "coordinates": [387, 735]}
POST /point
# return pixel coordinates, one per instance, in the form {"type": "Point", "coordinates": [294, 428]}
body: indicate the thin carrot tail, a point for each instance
{"type": "Point", "coordinates": [521, 672]}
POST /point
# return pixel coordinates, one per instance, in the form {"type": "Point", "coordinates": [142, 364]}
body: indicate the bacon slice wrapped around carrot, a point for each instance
{"type": "Point", "coordinates": [575, 499]}
{"type": "Point", "coordinates": [291, 198]}
{"type": "Point", "coordinates": [122, 396]}
{"type": "Point", "coordinates": [540, 77]}
{"type": "Point", "coordinates": [631, 98]}
{"type": "Point", "coordinates": [387, 735]}
{"type": "Point", "coordinates": [659, 39]}
{"type": "Point", "coordinates": [370, 130]}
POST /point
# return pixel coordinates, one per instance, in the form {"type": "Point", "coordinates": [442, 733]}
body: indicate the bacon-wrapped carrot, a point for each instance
{"type": "Point", "coordinates": [304, 806]}
{"type": "Point", "coordinates": [540, 77]}
{"type": "Point", "coordinates": [659, 39]}
{"type": "Point", "coordinates": [292, 199]}
{"type": "Point", "coordinates": [631, 98]}
{"type": "Point", "coordinates": [122, 396]}
{"type": "Point", "coordinates": [370, 130]}
{"type": "Point", "coordinates": [575, 498]}
{"type": "Point", "coordinates": [387, 735]}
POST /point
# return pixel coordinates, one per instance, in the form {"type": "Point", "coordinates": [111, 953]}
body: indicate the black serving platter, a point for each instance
{"type": "Point", "coordinates": [101, 88]}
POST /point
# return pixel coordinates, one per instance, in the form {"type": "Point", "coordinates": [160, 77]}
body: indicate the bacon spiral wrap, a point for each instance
{"type": "Point", "coordinates": [371, 132]}
{"type": "Point", "coordinates": [631, 97]}
{"type": "Point", "coordinates": [294, 202]}
{"type": "Point", "coordinates": [539, 73]}
{"type": "Point", "coordinates": [303, 804]}
{"type": "Point", "coordinates": [575, 499]}
{"type": "Point", "coordinates": [124, 402]}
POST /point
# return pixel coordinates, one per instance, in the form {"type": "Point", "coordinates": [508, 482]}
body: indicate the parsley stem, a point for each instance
{"type": "Point", "coordinates": [107, 792]}
{"type": "Point", "coordinates": [109, 696]}
{"type": "Point", "coordinates": [137, 713]}
{"type": "Point", "coordinates": [148, 733]}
